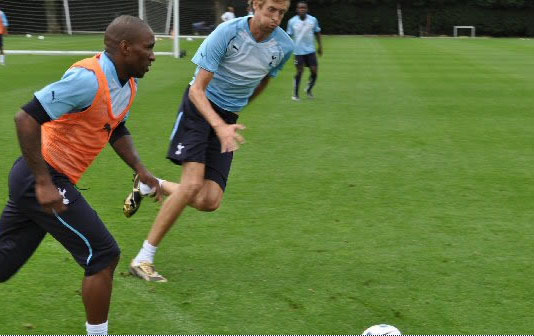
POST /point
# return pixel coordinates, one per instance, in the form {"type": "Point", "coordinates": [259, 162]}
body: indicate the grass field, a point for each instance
{"type": "Point", "coordinates": [402, 194]}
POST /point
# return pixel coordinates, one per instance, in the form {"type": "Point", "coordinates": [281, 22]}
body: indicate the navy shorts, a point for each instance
{"type": "Point", "coordinates": [194, 140]}
{"type": "Point", "coordinates": [308, 60]}
{"type": "Point", "coordinates": [1, 40]}
{"type": "Point", "coordinates": [24, 224]}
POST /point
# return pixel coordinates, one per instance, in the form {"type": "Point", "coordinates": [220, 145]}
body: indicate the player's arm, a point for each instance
{"type": "Point", "coordinates": [74, 92]}
{"type": "Point", "coordinates": [319, 42]}
{"type": "Point", "coordinates": [5, 22]}
{"type": "Point", "coordinates": [260, 88]}
{"type": "Point", "coordinates": [29, 136]}
{"type": "Point", "coordinates": [227, 134]}
{"type": "Point", "coordinates": [123, 145]}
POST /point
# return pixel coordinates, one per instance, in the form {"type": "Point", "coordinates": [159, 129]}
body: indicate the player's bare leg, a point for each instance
{"type": "Point", "coordinates": [296, 85]}
{"type": "Point", "coordinates": [311, 83]}
{"type": "Point", "coordinates": [193, 190]}
{"type": "Point", "coordinates": [96, 295]}
{"type": "Point", "coordinates": [2, 56]}
{"type": "Point", "coordinates": [207, 199]}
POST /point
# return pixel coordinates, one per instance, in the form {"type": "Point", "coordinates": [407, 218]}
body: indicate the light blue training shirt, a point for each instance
{"type": "Point", "coordinates": [4, 19]}
{"type": "Point", "coordinates": [239, 62]}
{"type": "Point", "coordinates": [303, 33]}
{"type": "Point", "coordinates": [77, 89]}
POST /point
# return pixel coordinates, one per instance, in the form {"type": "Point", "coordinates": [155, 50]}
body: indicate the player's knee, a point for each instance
{"type": "Point", "coordinates": [112, 256]}
{"type": "Point", "coordinates": [191, 189]}
{"type": "Point", "coordinates": [209, 204]}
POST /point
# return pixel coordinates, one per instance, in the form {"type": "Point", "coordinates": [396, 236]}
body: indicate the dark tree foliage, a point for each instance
{"type": "Point", "coordinates": [424, 17]}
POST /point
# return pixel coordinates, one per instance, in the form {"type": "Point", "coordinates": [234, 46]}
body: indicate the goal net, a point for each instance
{"type": "Point", "coordinates": [471, 29]}
{"type": "Point", "coordinates": [57, 27]}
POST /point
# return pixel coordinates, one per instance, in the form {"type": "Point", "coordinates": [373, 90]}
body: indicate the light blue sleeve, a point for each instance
{"type": "Point", "coordinates": [75, 91]}
{"type": "Point", "coordinates": [211, 52]}
{"type": "Point", "coordinates": [316, 28]}
{"type": "Point", "coordinates": [287, 47]}
{"type": "Point", "coordinates": [4, 19]}
{"type": "Point", "coordinates": [290, 31]}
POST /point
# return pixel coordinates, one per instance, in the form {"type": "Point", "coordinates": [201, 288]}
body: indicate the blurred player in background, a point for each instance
{"type": "Point", "coordinates": [3, 31]}
{"type": "Point", "coordinates": [304, 29]}
{"type": "Point", "coordinates": [228, 15]}
{"type": "Point", "coordinates": [234, 65]}
{"type": "Point", "coordinates": [61, 131]}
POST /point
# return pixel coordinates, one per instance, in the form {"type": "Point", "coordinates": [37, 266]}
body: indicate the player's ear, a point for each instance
{"type": "Point", "coordinates": [124, 47]}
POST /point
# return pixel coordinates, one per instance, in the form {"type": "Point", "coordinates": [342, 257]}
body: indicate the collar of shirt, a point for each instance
{"type": "Point", "coordinates": [109, 69]}
{"type": "Point", "coordinates": [247, 24]}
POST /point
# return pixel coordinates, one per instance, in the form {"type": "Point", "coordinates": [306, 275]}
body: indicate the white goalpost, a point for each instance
{"type": "Point", "coordinates": [456, 28]}
{"type": "Point", "coordinates": [58, 24]}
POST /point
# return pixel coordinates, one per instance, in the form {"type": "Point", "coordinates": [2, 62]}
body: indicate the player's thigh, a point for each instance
{"type": "Point", "coordinates": [189, 138]}
{"type": "Point", "coordinates": [19, 238]}
{"type": "Point", "coordinates": [81, 231]}
{"type": "Point", "coordinates": [218, 164]}
{"type": "Point", "coordinates": [311, 60]}
{"type": "Point", "coordinates": [211, 194]}
{"type": "Point", "coordinates": [300, 62]}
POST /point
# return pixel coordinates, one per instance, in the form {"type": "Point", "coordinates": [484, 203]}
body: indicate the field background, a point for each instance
{"type": "Point", "coordinates": [402, 194]}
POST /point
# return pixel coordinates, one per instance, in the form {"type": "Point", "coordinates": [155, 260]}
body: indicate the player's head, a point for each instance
{"type": "Point", "coordinates": [269, 12]}
{"type": "Point", "coordinates": [230, 9]}
{"type": "Point", "coordinates": [130, 41]}
{"type": "Point", "coordinates": [302, 8]}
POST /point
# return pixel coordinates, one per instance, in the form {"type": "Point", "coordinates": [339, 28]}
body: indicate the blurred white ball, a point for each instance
{"type": "Point", "coordinates": [41, 37]}
{"type": "Point", "coordinates": [189, 39]}
{"type": "Point", "coordinates": [28, 35]}
{"type": "Point", "coordinates": [382, 329]}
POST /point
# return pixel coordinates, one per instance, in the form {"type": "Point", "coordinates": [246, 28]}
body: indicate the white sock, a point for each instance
{"type": "Point", "coordinates": [97, 329]}
{"type": "Point", "coordinates": [2, 59]}
{"type": "Point", "coordinates": [146, 253]}
{"type": "Point", "coordinates": [145, 188]}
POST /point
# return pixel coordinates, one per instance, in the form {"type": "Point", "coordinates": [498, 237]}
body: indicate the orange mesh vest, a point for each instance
{"type": "Point", "coordinates": [2, 28]}
{"type": "Point", "coordinates": [72, 142]}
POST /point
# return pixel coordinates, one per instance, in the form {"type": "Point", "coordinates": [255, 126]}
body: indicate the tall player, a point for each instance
{"type": "Point", "coordinates": [3, 31]}
{"type": "Point", "coordinates": [235, 63]}
{"type": "Point", "coordinates": [61, 131]}
{"type": "Point", "coordinates": [304, 29]}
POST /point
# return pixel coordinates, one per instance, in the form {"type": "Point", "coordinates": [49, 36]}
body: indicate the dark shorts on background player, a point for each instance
{"type": "Point", "coordinates": [24, 224]}
{"type": "Point", "coordinates": [194, 140]}
{"type": "Point", "coordinates": [307, 60]}
{"type": "Point", "coordinates": [1, 40]}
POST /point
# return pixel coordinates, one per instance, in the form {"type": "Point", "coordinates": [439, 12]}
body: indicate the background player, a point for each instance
{"type": "Point", "coordinates": [235, 64]}
{"type": "Point", "coordinates": [3, 31]}
{"type": "Point", "coordinates": [228, 15]}
{"type": "Point", "coordinates": [304, 29]}
{"type": "Point", "coordinates": [75, 118]}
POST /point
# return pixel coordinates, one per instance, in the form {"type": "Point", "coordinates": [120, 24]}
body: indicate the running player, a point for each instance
{"type": "Point", "coordinates": [61, 131]}
{"type": "Point", "coordinates": [304, 29]}
{"type": "Point", "coordinates": [235, 63]}
{"type": "Point", "coordinates": [3, 31]}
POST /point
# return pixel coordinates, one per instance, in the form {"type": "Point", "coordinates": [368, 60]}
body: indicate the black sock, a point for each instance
{"type": "Point", "coordinates": [311, 83]}
{"type": "Point", "coordinates": [298, 76]}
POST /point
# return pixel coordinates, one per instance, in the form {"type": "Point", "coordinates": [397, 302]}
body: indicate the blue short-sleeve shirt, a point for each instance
{"type": "Point", "coordinates": [77, 89]}
{"type": "Point", "coordinates": [239, 63]}
{"type": "Point", "coordinates": [303, 33]}
{"type": "Point", "coordinates": [3, 17]}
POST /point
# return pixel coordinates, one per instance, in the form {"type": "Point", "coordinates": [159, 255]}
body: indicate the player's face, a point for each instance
{"type": "Point", "coordinates": [302, 9]}
{"type": "Point", "coordinates": [271, 13]}
{"type": "Point", "coordinates": [142, 54]}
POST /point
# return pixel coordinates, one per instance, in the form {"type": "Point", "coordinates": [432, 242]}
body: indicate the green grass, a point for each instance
{"type": "Point", "coordinates": [402, 194]}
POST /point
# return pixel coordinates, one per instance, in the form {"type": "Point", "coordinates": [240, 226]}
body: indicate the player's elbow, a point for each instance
{"type": "Point", "coordinates": [195, 93]}
{"type": "Point", "coordinates": [20, 117]}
